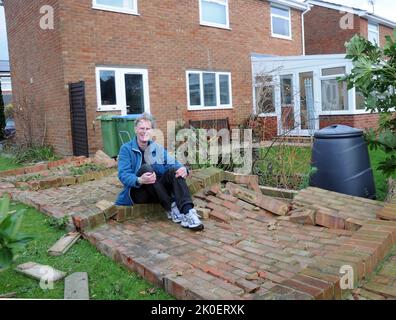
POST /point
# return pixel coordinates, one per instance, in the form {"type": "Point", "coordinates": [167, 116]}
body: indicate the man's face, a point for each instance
{"type": "Point", "coordinates": [143, 131]}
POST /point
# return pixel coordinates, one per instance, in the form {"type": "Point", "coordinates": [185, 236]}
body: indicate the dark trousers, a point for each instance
{"type": "Point", "coordinates": [162, 191]}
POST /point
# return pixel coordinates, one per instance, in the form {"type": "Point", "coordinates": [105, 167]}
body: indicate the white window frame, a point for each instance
{"type": "Point", "coordinates": [212, 24]}
{"type": "Point", "coordinates": [98, 6]}
{"type": "Point", "coordinates": [370, 28]}
{"type": "Point", "coordinates": [6, 85]}
{"type": "Point", "coordinates": [281, 36]}
{"type": "Point", "coordinates": [120, 88]}
{"type": "Point", "coordinates": [202, 105]}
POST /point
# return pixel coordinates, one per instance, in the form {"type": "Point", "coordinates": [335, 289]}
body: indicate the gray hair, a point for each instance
{"type": "Point", "coordinates": [145, 117]}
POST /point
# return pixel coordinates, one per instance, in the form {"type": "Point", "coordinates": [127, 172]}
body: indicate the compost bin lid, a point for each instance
{"type": "Point", "coordinates": [338, 131]}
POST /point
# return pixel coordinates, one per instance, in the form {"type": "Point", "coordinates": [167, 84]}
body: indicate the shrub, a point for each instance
{"type": "Point", "coordinates": [25, 155]}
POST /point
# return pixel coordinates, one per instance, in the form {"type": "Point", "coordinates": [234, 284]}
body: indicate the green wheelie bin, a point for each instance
{"type": "Point", "coordinates": [125, 127]}
{"type": "Point", "coordinates": [109, 135]}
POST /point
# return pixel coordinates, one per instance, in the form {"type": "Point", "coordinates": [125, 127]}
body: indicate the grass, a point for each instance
{"type": "Point", "coordinates": [8, 163]}
{"type": "Point", "coordinates": [107, 279]}
{"type": "Point", "coordinates": [289, 161]}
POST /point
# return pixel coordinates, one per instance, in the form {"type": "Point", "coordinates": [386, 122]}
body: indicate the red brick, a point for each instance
{"type": "Point", "coordinates": [330, 219]}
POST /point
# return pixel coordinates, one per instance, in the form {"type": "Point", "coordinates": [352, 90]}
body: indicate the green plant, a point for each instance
{"type": "Point", "coordinates": [29, 177]}
{"type": "Point", "coordinates": [10, 238]}
{"type": "Point", "coordinates": [85, 168]}
{"type": "Point", "coordinates": [57, 223]}
{"type": "Point", "coordinates": [374, 75]}
{"type": "Point", "coordinates": [9, 110]}
{"type": "Point", "coordinates": [25, 155]}
{"type": "Point", "coordinates": [2, 116]}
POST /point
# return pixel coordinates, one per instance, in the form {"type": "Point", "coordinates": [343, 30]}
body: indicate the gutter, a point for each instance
{"type": "Point", "coordinates": [303, 27]}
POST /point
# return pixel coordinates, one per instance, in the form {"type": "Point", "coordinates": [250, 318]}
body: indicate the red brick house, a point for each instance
{"type": "Point", "coordinates": [177, 59]}
{"type": "Point", "coordinates": [328, 26]}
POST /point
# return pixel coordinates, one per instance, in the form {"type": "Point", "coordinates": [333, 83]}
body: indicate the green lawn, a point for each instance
{"type": "Point", "coordinates": [107, 279]}
{"type": "Point", "coordinates": [287, 161]}
{"type": "Point", "coordinates": [7, 163]}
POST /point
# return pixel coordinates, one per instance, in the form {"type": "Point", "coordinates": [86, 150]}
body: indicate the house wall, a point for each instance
{"type": "Point", "coordinates": [37, 72]}
{"type": "Point", "coordinates": [323, 34]}
{"type": "Point", "coordinates": [384, 31]}
{"type": "Point", "coordinates": [167, 39]}
{"type": "Point", "coordinates": [362, 121]}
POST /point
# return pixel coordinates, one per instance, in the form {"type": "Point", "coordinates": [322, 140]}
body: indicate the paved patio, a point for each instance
{"type": "Point", "coordinates": [245, 251]}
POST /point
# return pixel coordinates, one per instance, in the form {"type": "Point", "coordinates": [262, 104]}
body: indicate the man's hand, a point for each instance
{"type": "Point", "coordinates": [148, 178]}
{"type": "Point", "coordinates": [181, 172]}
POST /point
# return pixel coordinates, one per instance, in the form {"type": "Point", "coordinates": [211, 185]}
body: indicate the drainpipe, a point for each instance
{"type": "Point", "coordinates": [303, 27]}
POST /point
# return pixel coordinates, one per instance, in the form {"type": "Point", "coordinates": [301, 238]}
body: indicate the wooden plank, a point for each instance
{"type": "Point", "coordinates": [64, 244]}
{"type": "Point", "coordinates": [39, 271]}
{"type": "Point", "coordinates": [76, 286]}
{"type": "Point", "coordinates": [270, 204]}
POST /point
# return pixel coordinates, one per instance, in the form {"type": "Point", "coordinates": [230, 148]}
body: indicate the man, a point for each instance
{"type": "Point", "coordinates": [150, 175]}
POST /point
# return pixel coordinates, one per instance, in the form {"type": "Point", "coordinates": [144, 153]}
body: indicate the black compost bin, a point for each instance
{"type": "Point", "coordinates": [341, 158]}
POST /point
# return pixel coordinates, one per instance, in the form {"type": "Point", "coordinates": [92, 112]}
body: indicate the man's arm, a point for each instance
{"type": "Point", "coordinates": [125, 173]}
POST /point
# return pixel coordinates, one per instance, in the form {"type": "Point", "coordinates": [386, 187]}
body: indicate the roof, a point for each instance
{"type": "Point", "coordinates": [360, 12]}
{"type": "Point", "coordinates": [4, 66]}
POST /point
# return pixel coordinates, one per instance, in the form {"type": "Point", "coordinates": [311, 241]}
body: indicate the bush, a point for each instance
{"type": "Point", "coordinates": [25, 155]}
{"type": "Point", "coordinates": [9, 110]}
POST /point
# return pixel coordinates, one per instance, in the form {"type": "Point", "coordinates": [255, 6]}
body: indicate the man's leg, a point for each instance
{"type": "Point", "coordinates": [151, 193]}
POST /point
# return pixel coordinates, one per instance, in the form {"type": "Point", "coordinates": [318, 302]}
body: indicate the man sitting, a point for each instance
{"type": "Point", "coordinates": [150, 175]}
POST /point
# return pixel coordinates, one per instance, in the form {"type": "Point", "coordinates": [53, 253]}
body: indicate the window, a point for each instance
{"type": "Point", "coordinates": [373, 33]}
{"type": "Point", "coordinates": [264, 94]}
{"type": "Point", "coordinates": [334, 93]}
{"type": "Point", "coordinates": [214, 13]}
{"type": "Point", "coordinates": [286, 89]}
{"type": "Point", "coordinates": [280, 22]}
{"type": "Point", "coordinates": [122, 89]}
{"type": "Point", "coordinates": [124, 6]}
{"type": "Point", "coordinates": [208, 90]}
{"type": "Point", "coordinates": [360, 101]}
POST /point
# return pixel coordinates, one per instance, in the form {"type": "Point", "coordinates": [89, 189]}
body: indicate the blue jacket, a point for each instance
{"type": "Point", "coordinates": [130, 161]}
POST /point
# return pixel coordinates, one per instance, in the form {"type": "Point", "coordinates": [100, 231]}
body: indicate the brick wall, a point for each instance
{"type": "Point", "coordinates": [37, 70]}
{"type": "Point", "coordinates": [166, 38]}
{"type": "Point", "coordinates": [323, 34]}
{"type": "Point", "coordinates": [362, 121]}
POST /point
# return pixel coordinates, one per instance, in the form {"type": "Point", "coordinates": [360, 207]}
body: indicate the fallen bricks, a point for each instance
{"type": "Point", "coordinates": [64, 244]}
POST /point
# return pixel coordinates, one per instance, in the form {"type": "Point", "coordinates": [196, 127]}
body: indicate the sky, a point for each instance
{"type": "Point", "coordinates": [384, 8]}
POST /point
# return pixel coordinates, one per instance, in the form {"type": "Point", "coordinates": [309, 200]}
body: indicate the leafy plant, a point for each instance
{"type": "Point", "coordinates": [10, 238]}
{"type": "Point", "coordinates": [25, 155]}
{"type": "Point", "coordinates": [30, 177]}
{"type": "Point", "coordinates": [85, 168]}
{"type": "Point", "coordinates": [374, 75]}
{"type": "Point", "coordinates": [59, 224]}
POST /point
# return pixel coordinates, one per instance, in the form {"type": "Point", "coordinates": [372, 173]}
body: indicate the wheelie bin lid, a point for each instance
{"type": "Point", "coordinates": [106, 117]}
{"type": "Point", "coordinates": [128, 116]}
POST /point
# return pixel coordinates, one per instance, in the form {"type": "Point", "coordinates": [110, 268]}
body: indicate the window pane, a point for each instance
{"type": "Point", "coordinates": [209, 83]}
{"type": "Point", "coordinates": [286, 89]}
{"type": "Point", "coordinates": [123, 4]}
{"type": "Point", "coordinates": [107, 87]}
{"type": "Point", "coordinates": [224, 89]}
{"type": "Point", "coordinates": [280, 12]}
{"type": "Point", "coordinates": [134, 93]}
{"type": "Point", "coordinates": [214, 12]}
{"type": "Point", "coordinates": [373, 37]}
{"type": "Point", "coordinates": [195, 89]}
{"type": "Point", "coordinates": [334, 95]}
{"type": "Point", "coordinates": [280, 26]}
{"type": "Point", "coordinates": [333, 71]}
{"type": "Point", "coordinates": [360, 101]}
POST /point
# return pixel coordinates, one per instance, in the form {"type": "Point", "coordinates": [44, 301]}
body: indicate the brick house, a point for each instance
{"type": "Point", "coordinates": [5, 80]}
{"type": "Point", "coordinates": [328, 26]}
{"type": "Point", "coordinates": [303, 94]}
{"type": "Point", "coordinates": [177, 59]}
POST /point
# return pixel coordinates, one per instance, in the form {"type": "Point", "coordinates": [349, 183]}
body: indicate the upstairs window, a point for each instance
{"type": "Point", "coordinates": [373, 33]}
{"type": "Point", "coordinates": [214, 13]}
{"type": "Point", "coordinates": [124, 6]}
{"type": "Point", "coordinates": [280, 22]}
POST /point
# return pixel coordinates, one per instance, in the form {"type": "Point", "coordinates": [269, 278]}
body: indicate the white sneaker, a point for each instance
{"type": "Point", "coordinates": [191, 220]}
{"type": "Point", "coordinates": [175, 214]}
